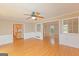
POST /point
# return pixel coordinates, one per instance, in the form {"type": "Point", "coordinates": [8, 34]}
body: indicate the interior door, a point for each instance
{"type": "Point", "coordinates": [18, 31]}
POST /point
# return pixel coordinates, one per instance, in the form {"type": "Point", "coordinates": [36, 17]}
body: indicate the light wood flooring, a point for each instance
{"type": "Point", "coordinates": [34, 47]}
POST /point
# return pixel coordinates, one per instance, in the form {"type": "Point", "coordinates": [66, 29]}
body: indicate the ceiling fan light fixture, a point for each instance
{"type": "Point", "coordinates": [33, 17]}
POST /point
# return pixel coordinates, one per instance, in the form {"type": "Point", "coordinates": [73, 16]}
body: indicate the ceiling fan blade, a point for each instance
{"type": "Point", "coordinates": [27, 14]}
{"type": "Point", "coordinates": [39, 16]}
{"type": "Point", "coordinates": [28, 18]}
{"type": "Point", "coordinates": [37, 13]}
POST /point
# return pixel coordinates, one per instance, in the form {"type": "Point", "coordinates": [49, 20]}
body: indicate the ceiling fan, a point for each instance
{"type": "Point", "coordinates": [34, 16]}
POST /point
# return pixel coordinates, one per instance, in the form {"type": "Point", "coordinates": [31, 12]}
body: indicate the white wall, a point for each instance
{"type": "Point", "coordinates": [71, 40]}
{"type": "Point", "coordinates": [29, 27]}
{"type": "Point", "coordinates": [5, 39]}
{"type": "Point", "coordinates": [32, 32]}
{"type": "Point", "coordinates": [6, 31]}
{"type": "Point", "coordinates": [68, 39]}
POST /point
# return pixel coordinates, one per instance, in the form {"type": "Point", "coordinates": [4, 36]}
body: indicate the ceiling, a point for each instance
{"type": "Point", "coordinates": [16, 11]}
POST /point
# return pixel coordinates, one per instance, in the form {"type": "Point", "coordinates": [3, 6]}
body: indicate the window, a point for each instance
{"type": "Point", "coordinates": [38, 27]}
{"type": "Point", "coordinates": [65, 28]}
{"type": "Point", "coordinates": [70, 25]}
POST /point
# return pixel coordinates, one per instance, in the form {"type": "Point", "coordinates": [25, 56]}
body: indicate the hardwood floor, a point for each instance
{"type": "Point", "coordinates": [34, 47]}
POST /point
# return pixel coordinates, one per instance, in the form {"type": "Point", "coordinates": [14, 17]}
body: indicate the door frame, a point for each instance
{"type": "Point", "coordinates": [13, 30]}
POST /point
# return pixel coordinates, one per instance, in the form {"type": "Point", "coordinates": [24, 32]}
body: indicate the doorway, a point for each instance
{"type": "Point", "coordinates": [54, 26]}
{"type": "Point", "coordinates": [51, 33]}
{"type": "Point", "coordinates": [18, 31]}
